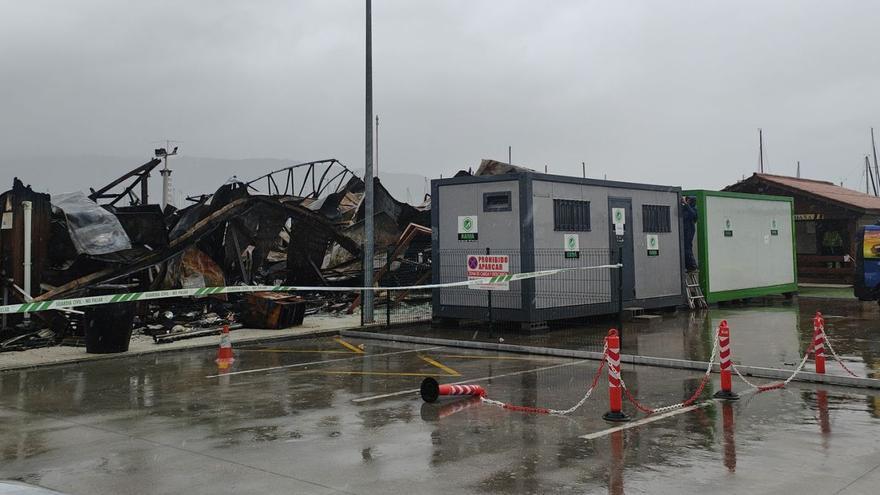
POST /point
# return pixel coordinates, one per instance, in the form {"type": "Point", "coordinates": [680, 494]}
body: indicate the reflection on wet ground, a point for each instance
{"type": "Point", "coordinates": [325, 422]}
{"type": "Point", "coordinates": [773, 333]}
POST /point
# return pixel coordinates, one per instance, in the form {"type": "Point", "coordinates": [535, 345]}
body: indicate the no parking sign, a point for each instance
{"type": "Point", "coordinates": [488, 265]}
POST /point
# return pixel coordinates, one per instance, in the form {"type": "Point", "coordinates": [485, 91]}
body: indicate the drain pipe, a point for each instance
{"type": "Point", "coordinates": [27, 207]}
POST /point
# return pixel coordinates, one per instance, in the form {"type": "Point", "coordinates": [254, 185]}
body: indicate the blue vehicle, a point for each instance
{"type": "Point", "coordinates": [867, 275]}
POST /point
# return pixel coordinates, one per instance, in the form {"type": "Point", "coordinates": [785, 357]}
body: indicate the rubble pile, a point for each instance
{"type": "Point", "coordinates": [301, 225]}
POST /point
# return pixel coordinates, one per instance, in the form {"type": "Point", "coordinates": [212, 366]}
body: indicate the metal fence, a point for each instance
{"type": "Point", "coordinates": [574, 308]}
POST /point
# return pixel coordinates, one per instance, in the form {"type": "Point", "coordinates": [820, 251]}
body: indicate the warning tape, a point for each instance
{"type": "Point", "coordinates": [32, 307]}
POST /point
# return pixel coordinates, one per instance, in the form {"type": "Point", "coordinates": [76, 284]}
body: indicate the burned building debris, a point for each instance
{"type": "Point", "coordinates": [301, 225]}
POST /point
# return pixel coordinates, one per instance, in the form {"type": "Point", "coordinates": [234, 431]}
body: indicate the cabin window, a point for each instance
{"type": "Point", "coordinates": [571, 215]}
{"type": "Point", "coordinates": [656, 219]}
{"type": "Point", "coordinates": [496, 201]}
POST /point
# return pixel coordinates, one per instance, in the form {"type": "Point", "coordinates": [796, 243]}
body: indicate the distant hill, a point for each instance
{"type": "Point", "coordinates": [191, 175]}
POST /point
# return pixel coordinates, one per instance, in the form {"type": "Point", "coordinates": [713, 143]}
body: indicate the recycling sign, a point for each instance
{"type": "Point", "coordinates": [618, 218]}
{"type": "Point", "coordinates": [773, 229]}
{"type": "Point", "coordinates": [467, 228]}
{"type": "Point", "coordinates": [653, 244]}
{"type": "Point", "coordinates": [728, 228]}
{"type": "Point", "coordinates": [571, 245]}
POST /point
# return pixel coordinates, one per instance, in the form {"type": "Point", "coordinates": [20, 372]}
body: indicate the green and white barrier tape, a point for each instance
{"type": "Point", "coordinates": [75, 302]}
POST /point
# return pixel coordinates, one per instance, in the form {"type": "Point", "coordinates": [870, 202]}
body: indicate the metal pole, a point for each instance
{"type": "Point", "coordinates": [368, 172]}
{"type": "Point", "coordinates": [509, 153]}
{"type": "Point", "coordinates": [584, 169]}
{"type": "Point", "coordinates": [27, 207]}
{"type": "Point", "coordinates": [166, 178]}
{"type": "Point", "coordinates": [489, 298]}
{"type": "Point", "coordinates": [620, 292]}
{"type": "Point", "coordinates": [362, 308]}
{"type": "Point", "coordinates": [377, 146]}
{"type": "Point", "coordinates": [387, 308]}
{"type": "Point", "coordinates": [761, 149]}
{"type": "Point", "coordinates": [874, 149]}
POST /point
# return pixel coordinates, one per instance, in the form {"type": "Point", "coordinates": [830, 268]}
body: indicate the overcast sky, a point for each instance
{"type": "Point", "coordinates": [661, 92]}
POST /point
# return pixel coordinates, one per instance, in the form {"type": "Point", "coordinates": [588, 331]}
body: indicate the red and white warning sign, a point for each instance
{"type": "Point", "coordinates": [488, 265]}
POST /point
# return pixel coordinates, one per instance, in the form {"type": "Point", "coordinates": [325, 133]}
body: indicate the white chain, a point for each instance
{"type": "Point", "coordinates": [741, 377]}
{"type": "Point", "coordinates": [837, 358]}
{"type": "Point", "coordinates": [708, 372]}
{"type": "Point", "coordinates": [557, 412]}
{"type": "Point", "coordinates": [492, 402]}
{"type": "Point", "coordinates": [799, 368]}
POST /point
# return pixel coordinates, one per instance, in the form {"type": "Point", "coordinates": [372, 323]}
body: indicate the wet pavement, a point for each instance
{"type": "Point", "coordinates": [770, 333]}
{"type": "Point", "coordinates": [340, 416]}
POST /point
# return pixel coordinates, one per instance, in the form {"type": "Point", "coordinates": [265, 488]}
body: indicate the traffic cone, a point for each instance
{"type": "Point", "coordinates": [224, 353]}
{"type": "Point", "coordinates": [431, 390]}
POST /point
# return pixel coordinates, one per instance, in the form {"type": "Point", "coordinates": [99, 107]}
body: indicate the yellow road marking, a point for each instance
{"type": "Point", "coordinates": [348, 346]}
{"type": "Point", "coordinates": [500, 358]}
{"type": "Point", "coordinates": [446, 369]}
{"type": "Point", "coordinates": [384, 373]}
{"type": "Point", "coordinates": [294, 351]}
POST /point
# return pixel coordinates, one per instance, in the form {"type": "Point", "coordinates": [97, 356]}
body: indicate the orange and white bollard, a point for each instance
{"type": "Point", "coordinates": [726, 392]}
{"type": "Point", "coordinates": [224, 353]}
{"type": "Point", "coordinates": [431, 390]}
{"type": "Point", "coordinates": [819, 342]}
{"type": "Point", "coordinates": [615, 396]}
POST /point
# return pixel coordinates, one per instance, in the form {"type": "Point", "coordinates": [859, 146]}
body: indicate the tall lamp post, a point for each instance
{"type": "Point", "coordinates": [368, 174]}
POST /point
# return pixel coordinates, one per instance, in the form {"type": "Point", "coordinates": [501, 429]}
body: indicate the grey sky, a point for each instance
{"type": "Point", "coordinates": [664, 92]}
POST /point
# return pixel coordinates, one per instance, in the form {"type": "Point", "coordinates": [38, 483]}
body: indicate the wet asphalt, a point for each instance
{"type": "Point", "coordinates": [340, 416]}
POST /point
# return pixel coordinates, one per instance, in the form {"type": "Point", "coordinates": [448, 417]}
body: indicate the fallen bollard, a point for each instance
{"type": "Point", "coordinates": [612, 341]}
{"type": "Point", "coordinates": [435, 412]}
{"type": "Point", "coordinates": [431, 390]}
{"type": "Point", "coordinates": [726, 393]}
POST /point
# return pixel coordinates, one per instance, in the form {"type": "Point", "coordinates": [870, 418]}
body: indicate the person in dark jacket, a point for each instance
{"type": "Point", "coordinates": [689, 219]}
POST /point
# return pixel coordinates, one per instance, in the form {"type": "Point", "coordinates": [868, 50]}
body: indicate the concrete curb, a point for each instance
{"type": "Point", "coordinates": [754, 371]}
{"type": "Point", "coordinates": [85, 358]}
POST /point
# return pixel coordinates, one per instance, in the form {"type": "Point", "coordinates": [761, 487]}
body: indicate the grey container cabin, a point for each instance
{"type": "Point", "coordinates": [525, 215]}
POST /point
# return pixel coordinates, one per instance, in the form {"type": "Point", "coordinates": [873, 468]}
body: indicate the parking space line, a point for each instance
{"type": "Point", "coordinates": [498, 358]}
{"type": "Point", "coordinates": [381, 373]}
{"type": "Point", "coordinates": [446, 369]}
{"type": "Point", "coordinates": [348, 346]}
{"type": "Point", "coordinates": [312, 363]}
{"type": "Point", "coordinates": [652, 418]}
{"type": "Point", "coordinates": [293, 351]}
{"type": "Point", "coordinates": [515, 373]}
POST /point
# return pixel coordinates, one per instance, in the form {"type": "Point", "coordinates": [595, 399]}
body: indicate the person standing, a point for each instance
{"type": "Point", "coordinates": [689, 220]}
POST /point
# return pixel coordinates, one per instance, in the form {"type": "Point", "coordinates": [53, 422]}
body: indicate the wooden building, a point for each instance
{"type": "Point", "coordinates": [826, 217]}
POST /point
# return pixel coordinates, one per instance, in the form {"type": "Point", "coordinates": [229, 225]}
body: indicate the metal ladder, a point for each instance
{"type": "Point", "coordinates": [696, 300]}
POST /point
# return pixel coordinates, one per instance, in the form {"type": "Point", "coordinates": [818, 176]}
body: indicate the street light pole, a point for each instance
{"type": "Point", "coordinates": [368, 173]}
{"type": "Point", "coordinates": [164, 153]}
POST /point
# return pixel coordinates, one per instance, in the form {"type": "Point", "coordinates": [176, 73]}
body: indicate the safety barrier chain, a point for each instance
{"type": "Point", "coordinates": [34, 306]}
{"type": "Point", "coordinates": [720, 347]}
{"type": "Point", "coordinates": [656, 410]}
{"type": "Point", "coordinates": [775, 385]}
{"type": "Point", "coordinates": [837, 358]}
{"type": "Point", "coordinates": [555, 412]}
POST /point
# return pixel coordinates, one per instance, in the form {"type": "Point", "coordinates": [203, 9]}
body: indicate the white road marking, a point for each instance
{"type": "Point", "coordinates": [300, 365]}
{"type": "Point", "coordinates": [658, 417]}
